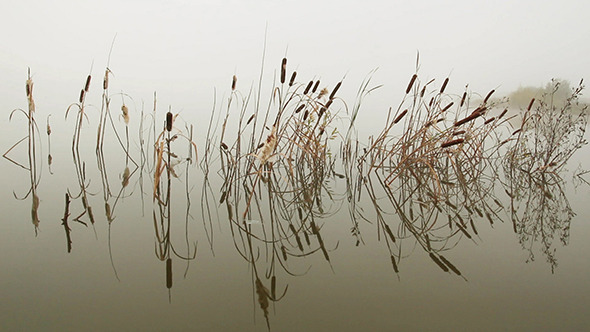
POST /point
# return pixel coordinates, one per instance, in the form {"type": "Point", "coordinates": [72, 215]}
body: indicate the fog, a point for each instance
{"type": "Point", "coordinates": [185, 50]}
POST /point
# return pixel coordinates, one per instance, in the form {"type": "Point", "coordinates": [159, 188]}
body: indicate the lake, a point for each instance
{"type": "Point", "coordinates": [274, 213]}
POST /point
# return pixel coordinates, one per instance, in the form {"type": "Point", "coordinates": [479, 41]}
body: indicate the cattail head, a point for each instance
{"type": "Point", "coordinates": [463, 99]}
{"type": "Point", "coordinates": [315, 87]}
{"type": "Point", "coordinates": [233, 82]}
{"type": "Point", "coordinates": [125, 111]}
{"type": "Point", "coordinates": [169, 273]}
{"type": "Point", "coordinates": [283, 70]}
{"type": "Point", "coordinates": [452, 142]}
{"type": "Point", "coordinates": [82, 93]}
{"type": "Point", "coordinates": [105, 81]}
{"type": "Point", "coordinates": [335, 90]}
{"type": "Point", "coordinates": [292, 80]}
{"type": "Point", "coordinates": [307, 87]}
{"type": "Point", "coordinates": [488, 96]}
{"type": "Point", "coordinates": [29, 87]}
{"type": "Point", "coordinates": [169, 119]}
{"type": "Point", "coordinates": [87, 85]}
{"type": "Point", "coordinates": [299, 108]}
{"type": "Point", "coordinates": [444, 86]}
{"type": "Point", "coordinates": [399, 117]}
{"type": "Point", "coordinates": [530, 104]}
{"type": "Point", "coordinates": [412, 80]}
{"type": "Point", "coordinates": [447, 107]}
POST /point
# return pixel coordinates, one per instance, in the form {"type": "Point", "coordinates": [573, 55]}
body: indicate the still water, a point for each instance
{"type": "Point", "coordinates": [152, 235]}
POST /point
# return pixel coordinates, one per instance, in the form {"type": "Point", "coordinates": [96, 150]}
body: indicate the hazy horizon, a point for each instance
{"type": "Point", "coordinates": [185, 51]}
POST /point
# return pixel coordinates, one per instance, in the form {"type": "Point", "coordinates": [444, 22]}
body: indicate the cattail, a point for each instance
{"type": "Point", "coordinates": [452, 142]}
{"type": "Point", "coordinates": [169, 119]}
{"type": "Point", "coordinates": [530, 104]}
{"type": "Point", "coordinates": [394, 264]}
{"type": "Point", "coordinates": [423, 91]}
{"type": "Point", "coordinates": [299, 108]}
{"type": "Point", "coordinates": [284, 251]}
{"type": "Point", "coordinates": [485, 100]}
{"type": "Point", "coordinates": [458, 132]}
{"type": "Point", "coordinates": [273, 287]}
{"type": "Point", "coordinates": [411, 83]}
{"type": "Point", "coordinates": [516, 131]}
{"type": "Point", "coordinates": [463, 99]}
{"type": "Point", "coordinates": [315, 87]}
{"type": "Point", "coordinates": [233, 82]}
{"type": "Point", "coordinates": [87, 86]}
{"type": "Point", "coordinates": [169, 273]}
{"type": "Point", "coordinates": [438, 262]}
{"type": "Point", "coordinates": [399, 117]}
{"type": "Point", "coordinates": [283, 70]}
{"type": "Point", "coordinates": [250, 119]}
{"type": "Point", "coordinates": [447, 107]}
{"type": "Point", "coordinates": [105, 81]}
{"type": "Point", "coordinates": [292, 80]}
{"type": "Point", "coordinates": [223, 146]}
{"type": "Point", "coordinates": [305, 115]}
{"type": "Point", "coordinates": [307, 87]}
{"type": "Point", "coordinates": [444, 86]}
{"type": "Point", "coordinates": [389, 232]}
{"type": "Point", "coordinates": [463, 230]}
{"type": "Point", "coordinates": [489, 120]}
{"type": "Point", "coordinates": [472, 117]}
{"type": "Point", "coordinates": [82, 92]}
{"type": "Point", "coordinates": [472, 225]}
{"type": "Point", "coordinates": [29, 87]}
{"type": "Point", "coordinates": [125, 111]}
{"type": "Point", "coordinates": [335, 89]}
{"type": "Point", "coordinates": [503, 113]}
{"type": "Point", "coordinates": [451, 266]}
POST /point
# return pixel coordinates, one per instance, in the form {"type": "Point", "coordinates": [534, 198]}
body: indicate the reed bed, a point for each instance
{"type": "Point", "coordinates": [431, 178]}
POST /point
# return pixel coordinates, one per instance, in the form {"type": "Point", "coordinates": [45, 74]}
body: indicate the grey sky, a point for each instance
{"type": "Point", "coordinates": [184, 49]}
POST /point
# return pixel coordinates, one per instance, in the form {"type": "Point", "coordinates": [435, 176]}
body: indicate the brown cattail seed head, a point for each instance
{"type": "Point", "coordinates": [105, 81]}
{"type": "Point", "coordinates": [169, 118]}
{"type": "Point", "coordinates": [292, 80]}
{"type": "Point", "coordinates": [530, 104]}
{"type": "Point", "coordinates": [82, 95]}
{"type": "Point", "coordinates": [488, 96]}
{"type": "Point", "coordinates": [444, 86]}
{"type": "Point", "coordinates": [335, 90]}
{"type": "Point", "coordinates": [125, 111]}
{"type": "Point", "coordinates": [233, 83]}
{"type": "Point", "coordinates": [315, 87]}
{"type": "Point", "coordinates": [87, 85]}
{"type": "Point", "coordinates": [412, 80]}
{"type": "Point", "coordinates": [307, 87]}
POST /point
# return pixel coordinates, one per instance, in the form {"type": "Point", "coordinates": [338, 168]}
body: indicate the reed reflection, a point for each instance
{"type": "Point", "coordinates": [552, 131]}
{"type": "Point", "coordinates": [164, 249]}
{"type": "Point", "coordinates": [32, 141]}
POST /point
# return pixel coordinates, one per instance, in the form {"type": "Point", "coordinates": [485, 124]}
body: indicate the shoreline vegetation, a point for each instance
{"type": "Point", "coordinates": [438, 167]}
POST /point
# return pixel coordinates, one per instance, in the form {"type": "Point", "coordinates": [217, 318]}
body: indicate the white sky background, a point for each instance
{"type": "Point", "coordinates": [185, 49]}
